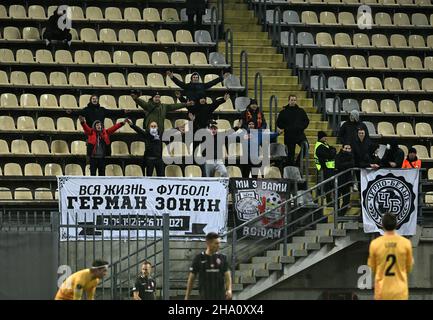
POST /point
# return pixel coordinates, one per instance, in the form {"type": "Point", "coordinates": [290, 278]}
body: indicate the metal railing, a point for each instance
{"type": "Point", "coordinates": [244, 62]}
{"type": "Point", "coordinates": [258, 86]}
{"type": "Point", "coordinates": [276, 26]}
{"type": "Point", "coordinates": [304, 160]}
{"type": "Point", "coordinates": [229, 46]}
{"type": "Point", "coordinates": [305, 71]}
{"type": "Point", "coordinates": [214, 27]}
{"type": "Point", "coordinates": [336, 114]}
{"type": "Point", "coordinates": [273, 103]}
{"type": "Point", "coordinates": [320, 96]}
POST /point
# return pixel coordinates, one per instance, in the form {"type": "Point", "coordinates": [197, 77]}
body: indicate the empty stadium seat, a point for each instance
{"type": "Point", "coordinates": [59, 147]}
{"type": "Point", "coordinates": [160, 58]}
{"type": "Point", "coordinates": [121, 57]}
{"type": "Point", "coordinates": [354, 83]}
{"type": "Point", "coordinates": [369, 106]}
{"type": "Point", "coordinates": [102, 57]}
{"type": "Point", "coordinates": [146, 36]}
{"type": "Point", "coordinates": [5, 194]}
{"type": "Point", "coordinates": [4, 148]}
{"type": "Point", "coordinates": [133, 170]}
{"type": "Point", "coordinates": [342, 39]}
{"type": "Point", "coordinates": [65, 124]}
{"type": "Point", "coordinates": [8, 100]}
{"type": "Point", "coordinates": [394, 62]}
{"type": "Point", "coordinates": [97, 79]}
{"type": "Point", "coordinates": [379, 41]}
{"type": "Point", "coordinates": [151, 15]}
{"type": "Point", "coordinates": [45, 124]}
{"type": "Point", "coordinates": [392, 84]}
{"type": "Point", "coordinates": [28, 100]}
{"type": "Point", "coordinates": [421, 152]}
{"type": "Point", "coordinates": [6, 56]}
{"type": "Point", "coordinates": [73, 169]}
{"type": "Point", "coordinates": [107, 35]}
{"type": "Point", "coordinates": [11, 33]}
{"type": "Point", "coordinates": [427, 84]}
{"type": "Point", "coordinates": [39, 147]}
{"type": "Point", "coordinates": [44, 56]}
{"type": "Point", "coordinates": [425, 106]}
{"type": "Point", "coordinates": [373, 84]}
{"type": "Point", "coordinates": [193, 171]}
{"type": "Point", "coordinates": [405, 129]}
{"type": "Point", "coordinates": [94, 13]}
{"type": "Point", "coordinates": [388, 106]}
{"type": "Point", "coordinates": [386, 129]}
{"type": "Point", "coordinates": [88, 35]}
{"type": "Point", "coordinates": [357, 62]}
{"type": "Point", "coordinates": [8, 123]}
{"type": "Point", "coordinates": [113, 14]}
{"type": "Point", "coordinates": [407, 106]}
{"type": "Point", "coordinates": [33, 169]}
{"type": "Point", "coordinates": [48, 101]}
{"type": "Point", "coordinates": [58, 79]}
{"type": "Point", "coordinates": [24, 56]}
{"type": "Point", "coordinates": [12, 169]}
{"type": "Point", "coordinates": [53, 169]}
{"type": "Point", "coordinates": [140, 58]}
{"type": "Point", "coordinates": [19, 78]}
{"type": "Point", "coordinates": [155, 80]}
{"type": "Point", "coordinates": [419, 20]}
{"type": "Point", "coordinates": [401, 19]}
{"type": "Point", "coordinates": [411, 84]}
{"type": "Point", "coordinates": [119, 148]}
{"type": "Point", "coordinates": [38, 78]}
{"type": "Point", "coordinates": [203, 37]}
{"type": "Point", "coordinates": [416, 41]}
{"type": "Point", "coordinates": [22, 193]}
{"type": "Point", "coordinates": [36, 12]}
{"type": "Point", "coordinates": [137, 148]}
{"type": "Point", "coordinates": [179, 58]}
{"type": "Point", "coordinates": [82, 57]}
{"type": "Point", "coordinates": [19, 146]}
{"type": "Point", "coordinates": [25, 123]}
{"type": "Point", "coordinates": [361, 40]}
{"type": "Point", "coordinates": [272, 173]}
{"type": "Point", "coordinates": [423, 129]}
{"type": "Point", "coordinates": [428, 63]}
{"type": "Point", "coordinates": [77, 79]}
{"type": "Point", "coordinates": [339, 61]}
{"type": "Point", "coordinates": [309, 17]}
{"type": "Point", "coordinates": [173, 171]}
{"type": "Point", "coordinates": [136, 79]}
{"type": "Point", "coordinates": [376, 62]}
{"type": "Point", "coordinates": [43, 194]}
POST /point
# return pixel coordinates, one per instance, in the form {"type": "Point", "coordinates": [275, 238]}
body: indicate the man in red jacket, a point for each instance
{"type": "Point", "coordinates": [98, 139]}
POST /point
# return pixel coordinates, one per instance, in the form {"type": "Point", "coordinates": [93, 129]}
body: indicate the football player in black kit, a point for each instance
{"type": "Point", "coordinates": [214, 278]}
{"type": "Point", "coordinates": [144, 288]}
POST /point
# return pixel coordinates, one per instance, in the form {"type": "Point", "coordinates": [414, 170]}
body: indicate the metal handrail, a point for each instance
{"type": "Point", "coordinates": [273, 101]}
{"type": "Point", "coordinates": [321, 94]}
{"type": "Point", "coordinates": [229, 40]}
{"type": "Point", "coordinates": [305, 155]}
{"type": "Point", "coordinates": [258, 77]}
{"type": "Point", "coordinates": [336, 114]}
{"type": "Point", "coordinates": [306, 70]}
{"type": "Point", "coordinates": [291, 50]}
{"type": "Point", "coordinates": [244, 60]}
{"type": "Point", "coordinates": [214, 27]}
{"type": "Point", "coordinates": [276, 27]}
{"type": "Point", "coordinates": [220, 4]}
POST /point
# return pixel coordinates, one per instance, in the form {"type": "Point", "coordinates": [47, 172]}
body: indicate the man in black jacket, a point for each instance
{"type": "Point", "coordinates": [195, 90]}
{"type": "Point", "coordinates": [393, 157]}
{"type": "Point", "coordinates": [349, 130]}
{"type": "Point", "coordinates": [293, 120]}
{"type": "Point", "coordinates": [361, 149]}
{"type": "Point", "coordinates": [201, 113]}
{"type": "Point", "coordinates": [343, 161]}
{"type": "Point", "coordinates": [324, 157]}
{"type": "Point", "coordinates": [54, 29]}
{"type": "Point", "coordinates": [253, 113]}
{"type": "Point", "coordinates": [195, 8]}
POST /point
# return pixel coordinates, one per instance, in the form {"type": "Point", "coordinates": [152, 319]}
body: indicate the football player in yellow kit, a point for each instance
{"type": "Point", "coordinates": [390, 258]}
{"type": "Point", "coordinates": [82, 281]}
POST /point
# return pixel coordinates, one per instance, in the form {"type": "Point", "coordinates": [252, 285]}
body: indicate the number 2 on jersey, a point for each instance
{"type": "Point", "coordinates": [393, 259]}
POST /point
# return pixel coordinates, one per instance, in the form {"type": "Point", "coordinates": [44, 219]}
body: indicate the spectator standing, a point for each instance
{"type": "Point", "coordinates": [253, 113]}
{"type": "Point", "coordinates": [349, 130]}
{"type": "Point", "coordinates": [196, 8]}
{"type": "Point", "coordinates": [324, 157]}
{"type": "Point", "coordinates": [214, 163]}
{"type": "Point", "coordinates": [393, 157]}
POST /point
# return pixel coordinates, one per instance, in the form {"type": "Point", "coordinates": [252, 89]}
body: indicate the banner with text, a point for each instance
{"type": "Point", "coordinates": [252, 198]}
{"type": "Point", "coordinates": [129, 207]}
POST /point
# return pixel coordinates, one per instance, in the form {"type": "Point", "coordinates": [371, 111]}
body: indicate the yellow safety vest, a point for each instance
{"type": "Point", "coordinates": [329, 164]}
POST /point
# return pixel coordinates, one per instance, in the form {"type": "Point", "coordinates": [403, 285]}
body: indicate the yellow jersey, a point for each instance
{"type": "Point", "coordinates": [74, 286]}
{"type": "Point", "coordinates": [390, 258]}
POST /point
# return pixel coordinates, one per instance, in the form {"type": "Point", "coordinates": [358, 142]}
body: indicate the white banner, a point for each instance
{"type": "Point", "coordinates": [390, 190]}
{"type": "Point", "coordinates": [130, 207]}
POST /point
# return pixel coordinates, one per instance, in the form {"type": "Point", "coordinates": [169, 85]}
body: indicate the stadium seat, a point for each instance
{"type": "Point", "coordinates": [421, 152]}
{"type": "Point", "coordinates": [357, 62]}
{"type": "Point", "coordinates": [116, 79]}
{"type": "Point", "coordinates": [22, 193]}
{"type": "Point", "coordinates": [202, 37]}
{"type": "Point", "coordinates": [425, 106]}
{"type": "Point", "coordinates": [169, 15]}
{"type": "Point", "coordinates": [76, 13]}
{"type": "Point", "coordinates": [3, 12]}
{"type": "Point", "coordinates": [5, 193]}
{"type": "Point", "coordinates": [234, 172]}
{"type": "Point", "coordinates": [88, 35]}
{"type": "Point", "coordinates": [192, 171]}
{"type": "Point", "coordinates": [184, 36]}
{"type": "Point", "coordinates": [327, 18]}
{"type": "Point", "coordinates": [82, 57]}
{"type": "Point", "coordinates": [73, 169]}
{"type": "Point", "coordinates": [394, 62]}
{"type": "Point", "coordinates": [424, 130]}
{"type": "Point", "coordinates": [373, 84]}
{"type": "Point", "coordinates": [386, 129]}
{"type": "Point", "coordinates": [38, 78]}
{"type": "Point", "coordinates": [24, 56]}
{"type": "Point", "coordinates": [160, 58]}
{"type": "Point", "coordinates": [39, 147]}
{"type": "Point", "coordinates": [392, 84]}
{"type": "Point", "coordinates": [8, 123]}
{"type": "Point", "coordinates": [140, 58]}
{"type": "Point", "coordinates": [36, 12]}
{"type": "Point", "coordinates": [323, 39]}
{"type": "Point", "coordinates": [401, 19]}
{"type": "Point", "coordinates": [4, 148]}
{"type": "Point", "coordinates": [44, 56]}
{"type": "Point", "coordinates": [53, 169]}
{"type": "Point", "coordinates": [25, 123]}
{"type": "Point", "coordinates": [398, 41]}
{"type": "Point", "coordinates": [407, 107]}
{"type": "Point", "coordinates": [58, 79]}
{"type": "Point", "coordinates": [272, 173]}
{"type": "Point", "coordinates": [419, 20]}
{"type": "Point", "coordinates": [6, 56]}
{"type": "Point", "coordinates": [309, 17]}
{"type": "Point", "coordinates": [427, 84]}
{"type": "Point", "coordinates": [376, 62]}
{"type": "Point", "coordinates": [18, 78]}
{"type": "Point", "coordinates": [137, 148]}
{"type": "Point", "coordinates": [354, 83]}
{"type": "Point", "coordinates": [428, 63]}
{"type": "Point", "coordinates": [346, 18]}
{"type": "Point", "coordinates": [113, 170]}
{"type": "Point", "coordinates": [342, 39]}
{"type": "Point", "coordinates": [127, 36]}
{"type": "Point", "coordinates": [59, 147]}
{"type": "Point", "coordinates": [404, 129]}
{"type": "Point", "coordinates": [48, 101]}
{"type": "Point", "coordinates": [416, 41]}
{"type": "Point", "coordinates": [20, 147]}
{"type": "Point", "coordinates": [369, 106]}
{"type": "Point", "coordinates": [33, 169]}
{"type": "Point", "coordinates": [379, 41]}
{"type": "Point", "coordinates": [388, 106]}
{"type": "Point", "coordinates": [382, 19]}
{"type": "Point", "coordinates": [17, 12]}
{"type": "Point", "coordinates": [97, 79]}
{"type": "Point", "coordinates": [107, 35]}
{"type": "Point", "coordinates": [119, 148]}
{"type": "Point", "coordinates": [8, 100]}
{"type": "Point", "coordinates": [94, 13]}
{"type": "Point", "coordinates": [133, 170]}
{"type": "Point", "coordinates": [146, 36]}
{"type": "Point", "coordinates": [43, 194]}
{"type": "Point", "coordinates": [108, 101]}
{"type": "Point", "coordinates": [65, 124]}
{"type": "Point", "coordinates": [164, 36]}
{"type": "Point", "coordinates": [28, 100]}
{"type": "Point", "coordinates": [151, 15]}
{"type": "Point", "coordinates": [45, 124]}
{"type": "Point", "coordinates": [102, 57]}
{"type": "Point", "coordinates": [113, 14]}
{"type": "Point", "coordinates": [179, 58]}
{"type": "Point", "coordinates": [305, 38]}
{"type": "Point", "coordinates": [132, 14]}
{"type": "Point", "coordinates": [155, 80]}
{"type": "Point", "coordinates": [411, 84]}
{"type": "Point", "coordinates": [361, 40]}
{"type": "Point", "coordinates": [12, 169]}
{"type": "Point", "coordinates": [173, 171]}
{"type": "Point", "coordinates": [338, 61]}
{"type": "Point", "coordinates": [11, 33]}
{"type": "Point", "coordinates": [77, 79]}
{"type": "Point", "coordinates": [136, 79]}
{"type": "Point", "coordinates": [78, 148]}
{"type": "Point", "coordinates": [320, 61]}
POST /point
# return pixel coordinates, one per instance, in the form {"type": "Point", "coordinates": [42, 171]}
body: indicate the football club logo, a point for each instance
{"type": "Point", "coordinates": [247, 202]}
{"type": "Point", "coordinates": [389, 194]}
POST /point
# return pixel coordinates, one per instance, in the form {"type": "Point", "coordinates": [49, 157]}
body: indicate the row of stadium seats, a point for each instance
{"type": "Point", "coordinates": [375, 84]}
{"type": "Point", "coordinates": [399, 19]}
{"type": "Point", "coordinates": [23, 193]}
{"type": "Point", "coordinates": [94, 13]}
{"type": "Point", "coordinates": [370, 106]}
{"type": "Point", "coordinates": [404, 129]}
{"type": "Point", "coordinates": [361, 40]}
{"type": "Point", "coordinates": [98, 79]}
{"type": "Point", "coordinates": [356, 2]}
{"type": "Point", "coordinates": [109, 36]}
{"type": "Point", "coordinates": [121, 57]}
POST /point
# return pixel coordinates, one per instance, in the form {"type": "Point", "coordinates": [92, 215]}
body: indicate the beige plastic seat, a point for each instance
{"type": "Point", "coordinates": [25, 56]}
{"type": "Point", "coordinates": [392, 84]}
{"type": "Point", "coordinates": [382, 19]}
{"type": "Point", "coordinates": [416, 41]}
{"type": "Point", "coordinates": [167, 124]}
{"type": "Point", "coordinates": [386, 129]}
{"type": "Point", "coordinates": [33, 169]}
{"type": "Point", "coordinates": [184, 36]}
{"type": "Point", "coordinates": [146, 36]}
{"type": "Point", "coordinates": [357, 62]}
{"type": "Point", "coordinates": [425, 106]}
{"type": "Point", "coordinates": [135, 79]}
{"type": "Point", "coordinates": [421, 152]}
{"type": "Point", "coordinates": [226, 107]}
{"type": "Point", "coordinates": [121, 57]}
{"type": "Point", "coordinates": [39, 147]}
{"type": "Point", "coordinates": [430, 41]}
{"type": "Point", "coordinates": [404, 148]}
{"type": "Point", "coordinates": [84, 100]}
{"type": "Point", "coordinates": [369, 106]}
{"type": "Point", "coordinates": [223, 124]}
{"type": "Point", "coordinates": [38, 78]}
{"type": "Point", "coordinates": [133, 170]}
{"type": "Point", "coordinates": [140, 58]}
{"type": "Point", "coordinates": [160, 58]}
{"type": "Point", "coordinates": [164, 36]}
{"type": "Point", "coordinates": [102, 57]}
{"type": "Point", "coordinates": [379, 40]}
{"type": "Point", "coordinates": [44, 56]}
{"type": "Point", "coordinates": [36, 12]}
{"type": "Point", "coordinates": [12, 169]}
{"type": "Point", "coordinates": [155, 80]}
{"type": "Point", "coordinates": [373, 84]}
{"type": "Point", "coordinates": [413, 63]}
{"type": "Point", "coordinates": [74, 35]}
{"type": "Point", "coordinates": [192, 171]}
{"type": "Point", "coordinates": [116, 79]}
{"type": "Point", "coordinates": [97, 79]}
{"type": "Point", "coordinates": [76, 13]}
{"type": "Point", "coordinates": [376, 62]}
{"type": "Point", "coordinates": [108, 101]}
{"type": "Point", "coordinates": [58, 78]}
{"type": "Point", "coordinates": [73, 169]}
{"type": "Point", "coordinates": [179, 58]}
{"type": "Point", "coordinates": [6, 56]}
{"type": "Point", "coordinates": [394, 62]}
{"type": "Point", "coordinates": [234, 172]}
{"type": "Point", "coordinates": [173, 171]}
{"type": "Point", "coordinates": [82, 57]}
{"type": "Point", "coordinates": [28, 100]}
{"type": "Point", "coordinates": [8, 100]}
{"type": "Point", "coordinates": [19, 78]}
{"type": "Point", "coordinates": [17, 12]}
{"type": "Point", "coordinates": [346, 18]}
{"type": "Point", "coordinates": [327, 17]}
{"type": "Point", "coordinates": [137, 148]}
{"type": "Point", "coordinates": [211, 77]}
{"type": "Point", "coordinates": [427, 84]}
{"type": "Point", "coordinates": [19, 147]}
{"type": "Point", "coordinates": [388, 106]}
{"type": "Point", "coordinates": [119, 148]}
{"type": "Point", "coordinates": [428, 63]}
{"type": "Point", "coordinates": [107, 35]}
{"type": "Point", "coordinates": [113, 14]}
{"type": "Point", "coordinates": [430, 174]}
{"type": "Point", "coordinates": [48, 101]}
{"type": "Point", "coordinates": [401, 19]}
{"type": "Point", "coordinates": [419, 20]}
{"type": "Point", "coordinates": [107, 123]}
{"type": "Point", "coordinates": [323, 39]}
{"type": "Point", "coordinates": [405, 2]}
{"type": "Point", "coordinates": [94, 13]}
{"type": "Point", "coordinates": [11, 33]}
{"type": "Point", "coordinates": [272, 173]}
{"type": "Point", "coordinates": [198, 59]}
{"type": "Point", "coordinates": [309, 17]}
{"type": "Point", "coordinates": [3, 12]}
{"type": "Point", "coordinates": [178, 149]}
{"type": "Point", "coordinates": [45, 124]}
{"type": "Point", "coordinates": [132, 14]}
{"type": "Point", "coordinates": [361, 40]}
{"type": "Point", "coordinates": [423, 129]}
{"type": "Point", "coordinates": [398, 41]}
{"type": "Point", "coordinates": [78, 148]}
{"type": "Point", "coordinates": [405, 129]}
{"type": "Point", "coordinates": [387, 2]}
{"type": "Point", "coordinates": [151, 15]}
{"type": "Point", "coordinates": [169, 15]}
{"type": "Point", "coordinates": [4, 147]}
{"type": "Point", "coordinates": [407, 107]}
{"type": "Point", "coordinates": [25, 123]}
{"type": "Point", "coordinates": [354, 83]}
{"type": "Point", "coordinates": [410, 84]}
{"type": "Point", "coordinates": [77, 79]}
{"type": "Point", "coordinates": [65, 124]}
{"type": "Point", "coordinates": [53, 169]}
{"type": "Point", "coordinates": [43, 194]}
{"type": "Point", "coordinates": [4, 78]}
{"type": "Point", "coordinates": [8, 123]}
{"type": "Point", "coordinates": [59, 147]}
{"type": "Point", "coordinates": [5, 193]}
{"type": "Point", "coordinates": [342, 40]}
{"type": "Point", "coordinates": [22, 193]}
{"type": "Point", "coordinates": [167, 100]}
{"type": "Point", "coordinates": [88, 35]}
{"type": "Point", "coordinates": [113, 170]}
{"type": "Point", "coordinates": [127, 36]}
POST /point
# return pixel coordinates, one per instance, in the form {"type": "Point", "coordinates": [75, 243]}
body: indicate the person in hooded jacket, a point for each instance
{"type": "Point", "coordinates": [195, 90]}
{"type": "Point", "coordinates": [253, 113]}
{"type": "Point", "coordinates": [412, 161]}
{"type": "Point", "coordinates": [348, 133]}
{"type": "Point", "coordinates": [153, 149]}
{"type": "Point", "coordinates": [343, 161]}
{"type": "Point", "coordinates": [393, 157]}
{"type": "Point", "coordinates": [53, 30]}
{"type": "Point", "coordinates": [98, 141]}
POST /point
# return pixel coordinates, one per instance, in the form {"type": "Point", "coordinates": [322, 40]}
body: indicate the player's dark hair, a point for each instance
{"type": "Point", "coordinates": [389, 222]}
{"type": "Point", "coordinates": [99, 263]}
{"type": "Point", "coordinates": [212, 236]}
{"type": "Point", "coordinates": [147, 262]}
